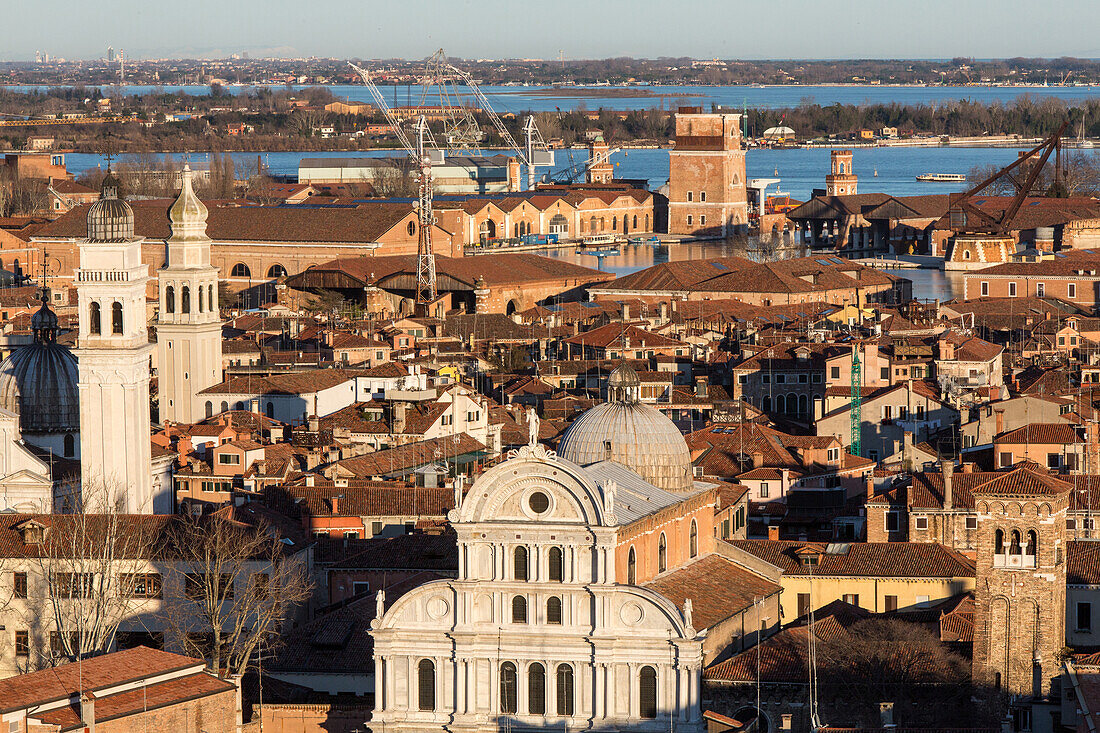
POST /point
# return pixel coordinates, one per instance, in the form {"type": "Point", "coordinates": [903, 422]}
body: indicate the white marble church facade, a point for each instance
{"type": "Point", "coordinates": [536, 632]}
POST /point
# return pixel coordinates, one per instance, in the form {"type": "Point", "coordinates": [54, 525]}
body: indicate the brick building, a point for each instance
{"type": "Point", "coordinates": [1070, 276]}
{"type": "Point", "coordinates": [1021, 583]}
{"type": "Point", "coordinates": [706, 178]}
{"type": "Point", "coordinates": [133, 690]}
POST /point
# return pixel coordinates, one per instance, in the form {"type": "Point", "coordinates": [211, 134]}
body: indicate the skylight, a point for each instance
{"type": "Point", "coordinates": [718, 266]}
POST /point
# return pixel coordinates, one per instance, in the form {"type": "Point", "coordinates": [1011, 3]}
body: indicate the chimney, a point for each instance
{"type": "Point", "coordinates": [773, 532]}
{"type": "Point", "coordinates": [757, 459]}
{"type": "Point", "coordinates": [1000, 413]}
{"type": "Point", "coordinates": [966, 467]}
{"type": "Point", "coordinates": [869, 485]}
{"type": "Point", "coordinates": [886, 713]}
{"type": "Point", "coordinates": [626, 312]}
{"type": "Point", "coordinates": [314, 424]}
{"type": "Point", "coordinates": [663, 310]}
{"type": "Point", "coordinates": [399, 411]}
{"type": "Point", "coordinates": [335, 501]}
{"type": "Point", "coordinates": [700, 386]}
{"type": "Point", "coordinates": [947, 468]}
{"type": "Point", "coordinates": [87, 711]}
{"type": "Point", "coordinates": [785, 721]}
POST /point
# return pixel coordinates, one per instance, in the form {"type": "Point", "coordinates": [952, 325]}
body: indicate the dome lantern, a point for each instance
{"type": "Point", "coordinates": [110, 219]}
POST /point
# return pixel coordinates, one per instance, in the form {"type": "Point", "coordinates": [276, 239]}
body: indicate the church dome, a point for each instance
{"type": "Point", "coordinates": [188, 214]}
{"type": "Point", "coordinates": [627, 432]}
{"type": "Point", "coordinates": [38, 381]}
{"type": "Point", "coordinates": [110, 219]}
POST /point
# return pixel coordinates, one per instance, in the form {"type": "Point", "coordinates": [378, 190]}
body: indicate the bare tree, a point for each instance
{"type": "Point", "coordinates": [395, 179]}
{"type": "Point", "coordinates": [91, 572]}
{"type": "Point", "coordinates": [232, 588]}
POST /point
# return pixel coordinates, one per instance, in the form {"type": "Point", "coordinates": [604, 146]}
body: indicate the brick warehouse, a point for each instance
{"type": "Point", "coordinates": [706, 177]}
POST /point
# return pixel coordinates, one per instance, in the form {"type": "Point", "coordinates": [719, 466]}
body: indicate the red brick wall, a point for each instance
{"type": "Point", "coordinates": [214, 714]}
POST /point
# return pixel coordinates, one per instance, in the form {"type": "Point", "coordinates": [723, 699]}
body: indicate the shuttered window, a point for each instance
{"type": "Point", "coordinates": [556, 565]}
{"type": "Point", "coordinates": [425, 679]}
{"type": "Point", "coordinates": [647, 693]}
{"type": "Point", "coordinates": [536, 689]}
{"type": "Point", "coordinates": [521, 564]}
{"type": "Point", "coordinates": [553, 610]}
{"type": "Point", "coordinates": [565, 689]}
{"type": "Point", "coordinates": [519, 610]}
{"type": "Point", "coordinates": [508, 688]}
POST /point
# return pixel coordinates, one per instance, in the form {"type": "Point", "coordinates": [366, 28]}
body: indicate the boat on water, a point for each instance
{"type": "Point", "coordinates": [942, 177]}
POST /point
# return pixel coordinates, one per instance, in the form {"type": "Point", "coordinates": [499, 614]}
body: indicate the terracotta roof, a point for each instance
{"type": "Point", "coordinates": [415, 551]}
{"type": "Point", "coordinates": [95, 673]}
{"type": "Point", "coordinates": [616, 335]}
{"type": "Point", "coordinates": [1059, 433]}
{"type": "Point", "coordinates": [361, 499]}
{"type": "Point", "coordinates": [1083, 562]}
{"type": "Point", "coordinates": [783, 656]}
{"type": "Point", "coordinates": [406, 457]}
{"type": "Point", "coordinates": [142, 699]}
{"type": "Point", "coordinates": [865, 559]}
{"type": "Point", "coordinates": [367, 222]}
{"type": "Point", "coordinates": [717, 587]}
{"type": "Point", "coordinates": [294, 383]}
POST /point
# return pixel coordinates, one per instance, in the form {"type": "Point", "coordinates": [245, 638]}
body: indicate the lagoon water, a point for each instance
{"type": "Point", "coordinates": [547, 99]}
{"type": "Point", "coordinates": [800, 170]}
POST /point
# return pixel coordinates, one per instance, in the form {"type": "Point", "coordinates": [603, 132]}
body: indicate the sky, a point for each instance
{"type": "Point", "coordinates": [413, 29]}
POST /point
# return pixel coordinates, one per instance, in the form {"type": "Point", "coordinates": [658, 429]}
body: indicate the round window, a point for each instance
{"type": "Point", "coordinates": [539, 502]}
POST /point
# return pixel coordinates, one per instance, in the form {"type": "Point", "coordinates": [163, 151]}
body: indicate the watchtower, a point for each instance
{"type": "Point", "coordinates": [1020, 578]}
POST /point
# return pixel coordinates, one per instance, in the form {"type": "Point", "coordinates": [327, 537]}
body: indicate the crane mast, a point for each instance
{"type": "Point", "coordinates": [418, 151]}
{"type": "Point", "coordinates": [857, 403]}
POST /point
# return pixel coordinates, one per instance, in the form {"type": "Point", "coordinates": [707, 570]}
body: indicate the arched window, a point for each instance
{"type": "Point", "coordinates": [1014, 546]}
{"type": "Point", "coordinates": [519, 569]}
{"type": "Point", "coordinates": [647, 692]}
{"type": "Point", "coordinates": [519, 610]}
{"type": "Point", "coordinates": [999, 542]}
{"type": "Point", "coordinates": [210, 298]}
{"type": "Point", "coordinates": [209, 408]}
{"type": "Point", "coordinates": [425, 681]}
{"type": "Point", "coordinates": [276, 271]}
{"type": "Point", "coordinates": [411, 228]}
{"type": "Point", "coordinates": [565, 689]}
{"type": "Point", "coordinates": [225, 406]}
{"type": "Point", "coordinates": [169, 299]}
{"type": "Point", "coordinates": [116, 317]}
{"type": "Point", "coordinates": [553, 610]}
{"type": "Point", "coordinates": [70, 445]}
{"type": "Point", "coordinates": [557, 566]}
{"type": "Point", "coordinates": [185, 299]}
{"type": "Point", "coordinates": [631, 567]}
{"type": "Point", "coordinates": [634, 222]}
{"type": "Point", "coordinates": [1032, 548]}
{"type": "Point", "coordinates": [662, 553]}
{"type": "Point", "coordinates": [693, 540]}
{"type": "Point", "coordinates": [270, 411]}
{"type": "Point", "coordinates": [94, 325]}
{"type": "Point", "coordinates": [536, 689]}
{"type": "Point", "coordinates": [766, 404]}
{"type": "Point", "coordinates": [508, 688]}
{"type": "Point", "coordinates": [200, 299]}
{"type": "Point", "coordinates": [240, 270]}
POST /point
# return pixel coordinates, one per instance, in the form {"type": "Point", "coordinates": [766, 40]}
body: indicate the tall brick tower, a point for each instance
{"type": "Point", "coordinates": [706, 175]}
{"type": "Point", "coordinates": [601, 170]}
{"type": "Point", "coordinates": [841, 181]}
{"type": "Point", "coordinates": [1020, 598]}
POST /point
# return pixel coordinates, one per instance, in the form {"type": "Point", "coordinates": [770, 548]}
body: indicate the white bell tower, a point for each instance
{"type": "Point", "coordinates": [189, 329]}
{"type": "Point", "coordinates": [113, 352]}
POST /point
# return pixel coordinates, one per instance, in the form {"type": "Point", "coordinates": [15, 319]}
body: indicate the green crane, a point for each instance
{"type": "Point", "coordinates": [857, 402]}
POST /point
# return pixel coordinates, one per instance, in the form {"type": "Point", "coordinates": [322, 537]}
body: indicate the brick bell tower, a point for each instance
{"type": "Point", "coordinates": [841, 181]}
{"type": "Point", "coordinates": [1020, 597]}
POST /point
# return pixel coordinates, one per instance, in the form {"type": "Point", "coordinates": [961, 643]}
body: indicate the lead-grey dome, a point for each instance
{"type": "Point", "coordinates": [110, 219]}
{"type": "Point", "coordinates": [631, 433]}
{"type": "Point", "coordinates": [38, 381]}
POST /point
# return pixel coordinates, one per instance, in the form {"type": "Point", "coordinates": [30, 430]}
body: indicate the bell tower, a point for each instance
{"type": "Point", "coordinates": [1020, 597]}
{"type": "Point", "coordinates": [189, 328]}
{"type": "Point", "coordinates": [113, 352]}
{"type": "Point", "coordinates": [841, 181]}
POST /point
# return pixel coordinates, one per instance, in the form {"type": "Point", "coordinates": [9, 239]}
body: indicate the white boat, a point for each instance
{"type": "Point", "coordinates": [942, 177]}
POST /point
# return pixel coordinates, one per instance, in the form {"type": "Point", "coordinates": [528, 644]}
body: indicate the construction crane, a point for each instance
{"type": "Point", "coordinates": [857, 402]}
{"type": "Point", "coordinates": [421, 152]}
{"type": "Point", "coordinates": [535, 151]}
{"type": "Point", "coordinates": [573, 172]}
{"type": "Point", "coordinates": [966, 216]}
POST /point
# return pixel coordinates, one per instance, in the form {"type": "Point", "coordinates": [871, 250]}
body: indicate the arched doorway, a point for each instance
{"type": "Point", "coordinates": [511, 308]}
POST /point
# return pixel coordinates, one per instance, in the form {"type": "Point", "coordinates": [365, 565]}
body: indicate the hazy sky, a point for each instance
{"type": "Point", "coordinates": [529, 28]}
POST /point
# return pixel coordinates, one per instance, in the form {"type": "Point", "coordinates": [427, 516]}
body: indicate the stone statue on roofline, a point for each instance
{"type": "Point", "coordinates": [532, 426]}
